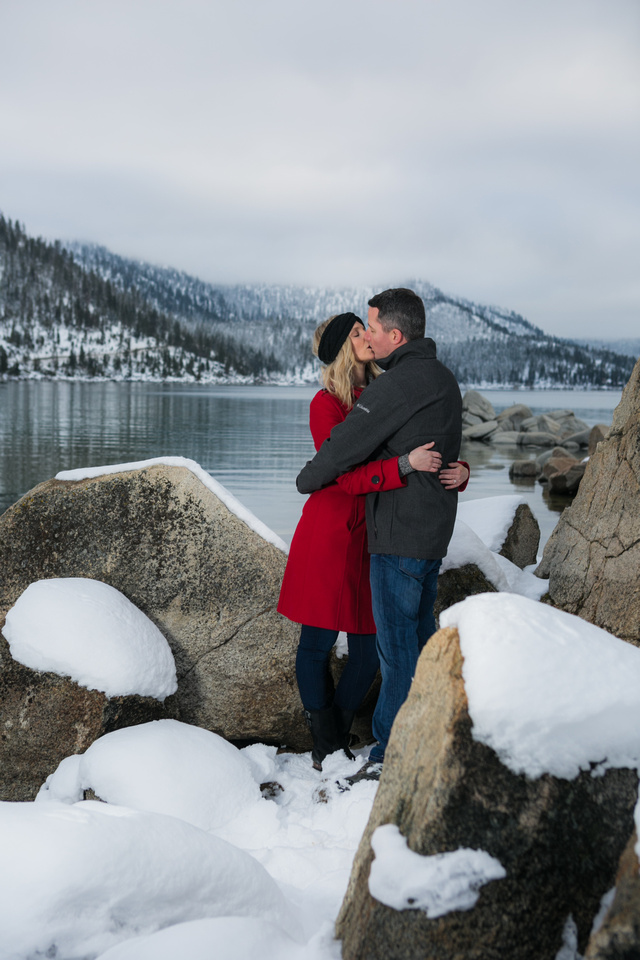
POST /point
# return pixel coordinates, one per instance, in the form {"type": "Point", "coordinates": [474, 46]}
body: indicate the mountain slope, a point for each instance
{"type": "Point", "coordinates": [81, 311]}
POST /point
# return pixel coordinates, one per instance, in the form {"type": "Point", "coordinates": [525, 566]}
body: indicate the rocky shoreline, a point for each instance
{"type": "Point", "coordinates": [560, 433]}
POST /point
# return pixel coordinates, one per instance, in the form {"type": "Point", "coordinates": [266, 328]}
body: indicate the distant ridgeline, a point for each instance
{"type": "Point", "coordinates": [79, 311]}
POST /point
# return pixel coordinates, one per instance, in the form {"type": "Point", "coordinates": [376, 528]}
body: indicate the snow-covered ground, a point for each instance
{"type": "Point", "coordinates": [200, 850]}
{"type": "Point", "coordinates": [184, 835]}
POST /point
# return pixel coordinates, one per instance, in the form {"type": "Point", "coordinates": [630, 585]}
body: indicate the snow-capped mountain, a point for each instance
{"type": "Point", "coordinates": [79, 310]}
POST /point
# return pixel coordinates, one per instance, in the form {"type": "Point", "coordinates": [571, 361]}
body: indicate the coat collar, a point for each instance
{"type": "Point", "coordinates": [423, 349]}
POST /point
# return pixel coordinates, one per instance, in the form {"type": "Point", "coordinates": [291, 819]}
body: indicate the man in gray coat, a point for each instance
{"type": "Point", "coordinates": [416, 401]}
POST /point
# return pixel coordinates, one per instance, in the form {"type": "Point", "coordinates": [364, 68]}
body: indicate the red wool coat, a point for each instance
{"type": "Point", "coordinates": [326, 581]}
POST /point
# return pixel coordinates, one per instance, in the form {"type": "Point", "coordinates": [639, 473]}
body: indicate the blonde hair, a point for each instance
{"type": "Point", "coordinates": [338, 376]}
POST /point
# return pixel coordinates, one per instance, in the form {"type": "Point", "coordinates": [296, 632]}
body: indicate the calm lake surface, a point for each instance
{"type": "Point", "coordinates": [254, 440]}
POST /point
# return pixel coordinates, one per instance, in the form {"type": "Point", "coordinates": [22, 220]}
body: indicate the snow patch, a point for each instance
{"type": "Point", "coordinates": [89, 631]}
{"type": "Point", "coordinates": [490, 517]}
{"type": "Point", "coordinates": [439, 884]}
{"type": "Point", "coordinates": [225, 938]}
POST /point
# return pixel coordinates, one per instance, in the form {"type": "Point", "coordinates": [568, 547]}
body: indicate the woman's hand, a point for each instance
{"type": "Point", "coordinates": [425, 459]}
{"type": "Point", "coordinates": [454, 477]}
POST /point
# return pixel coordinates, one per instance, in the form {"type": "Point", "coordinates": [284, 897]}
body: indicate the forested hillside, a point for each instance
{"type": "Point", "coordinates": [58, 318]}
{"type": "Point", "coordinates": [82, 312]}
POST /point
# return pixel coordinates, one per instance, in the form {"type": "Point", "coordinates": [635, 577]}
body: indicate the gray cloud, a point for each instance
{"type": "Point", "coordinates": [491, 148]}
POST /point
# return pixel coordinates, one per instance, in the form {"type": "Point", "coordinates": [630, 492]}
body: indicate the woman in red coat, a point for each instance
{"type": "Point", "coordinates": [326, 582]}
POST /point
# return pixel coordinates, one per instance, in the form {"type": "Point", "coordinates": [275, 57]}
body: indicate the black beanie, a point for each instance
{"type": "Point", "coordinates": [334, 336]}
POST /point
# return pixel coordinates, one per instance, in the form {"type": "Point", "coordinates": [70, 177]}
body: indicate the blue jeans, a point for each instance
{"type": "Point", "coordinates": [403, 591]}
{"type": "Point", "coordinates": [312, 669]}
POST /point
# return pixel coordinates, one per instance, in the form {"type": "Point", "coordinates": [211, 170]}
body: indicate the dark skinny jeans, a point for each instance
{"type": "Point", "coordinates": [312, 669]}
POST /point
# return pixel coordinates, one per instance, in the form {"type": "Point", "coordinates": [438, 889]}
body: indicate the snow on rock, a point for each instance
{"type": "Point", "coordinates": [89, 631]}
{"type": "Point", "coordinates": [78, 879]}
{"type": "Point", "coordinates": [231, 502]}
{"type": "Point", "coordinates": [522, 582]}
{"type": "Point", "coordinates": [439, 884]}
{"type": "Point", "coordinates": [164, 767]}
{"type": "Point", "coordinates": [549, 692]}
{"type": "Point", "coordinates": [569, 948]}
{"type": "Point", "coordinates": [225, 938]}
{"type": "Point", "coordinates": [466, 547]}
{"type": "Point", "coordinates": [490, 517]}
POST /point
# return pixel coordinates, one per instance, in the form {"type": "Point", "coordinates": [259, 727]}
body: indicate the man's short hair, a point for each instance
{"type": "Point", "coordinates": [400, 309]}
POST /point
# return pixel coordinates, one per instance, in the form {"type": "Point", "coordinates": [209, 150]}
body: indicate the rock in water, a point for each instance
{"type": "Point", "coordinates": [483, 431]}
{"type": "Point", "coordinates": [618, 937]}
{"type": "Point", "coordinates": [208, 581]}
{"type": "Point", "coordinates": [512, 417]}
{"type": "Point", "coordinates": [476, 405]}
{"type": "Point", "coordinates": [592, 558]}
{"type": "Point", "coordinates": [558, 840]}
{"type": "Point", "coordinates": [563, 473]}
{"type": "Point", "coordinates": [524, 468]}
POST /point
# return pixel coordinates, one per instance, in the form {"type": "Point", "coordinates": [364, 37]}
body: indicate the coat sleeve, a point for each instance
{"type": "Point", "coordinates": [325, 413]}
{"type": "Point", "coordinates": [463, 486]}
{"type": "Point", "coordinates": [373, 419]}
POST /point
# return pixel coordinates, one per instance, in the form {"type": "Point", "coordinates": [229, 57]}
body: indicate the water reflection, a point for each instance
{"type": "Point", "coordinates": [252, 439]}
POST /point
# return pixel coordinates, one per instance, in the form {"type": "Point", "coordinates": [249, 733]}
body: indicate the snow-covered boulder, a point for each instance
{"type": "Point", "coordinates": [76, 880]}
{"type": "Point", "coordinates": [190, 557]}
{"type": "Point", "coordinates": [517, 751]}
{"type": "Point", "coordinates": [81, 660]}
{"type": "Point", "coordinates": [492, 539]}
{"type": "Point", "coordinates": [162, 767]}
{"type": "Point", "coordinates": [90, 632]}
{"type": "Point", "coordinates": [506, 525]}
{"type": "Point", "coordinates": [592, 558]}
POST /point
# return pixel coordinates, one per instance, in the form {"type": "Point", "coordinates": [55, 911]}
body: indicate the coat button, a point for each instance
{"type": "Point", "coordinates": [375, 479]}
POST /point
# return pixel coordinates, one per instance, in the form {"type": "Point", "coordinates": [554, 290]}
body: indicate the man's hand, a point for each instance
{"type": "Point", "coordinates": [454, 477]}
{"type": "Point", "coordinates": [425, 459]}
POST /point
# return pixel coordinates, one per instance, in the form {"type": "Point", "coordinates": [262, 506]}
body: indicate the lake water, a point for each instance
{"type": "Point", "coordinates": [254, 440]}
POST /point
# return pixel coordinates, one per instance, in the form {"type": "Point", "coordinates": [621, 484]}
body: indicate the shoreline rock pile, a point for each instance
{"type": "Point", "coordinates": [561, 467]}
{"type": "Point", "coordinates": [518, 426]}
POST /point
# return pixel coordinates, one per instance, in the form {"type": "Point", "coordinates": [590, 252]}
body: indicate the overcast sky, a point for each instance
{"type": "Point", "coordinates": [491, 147]}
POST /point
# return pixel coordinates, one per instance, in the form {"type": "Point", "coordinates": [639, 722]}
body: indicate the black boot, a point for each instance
{"type": "Point", "coordinates": [322, 724]}
{"type": "Point", "coordinates": [344, 719]}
